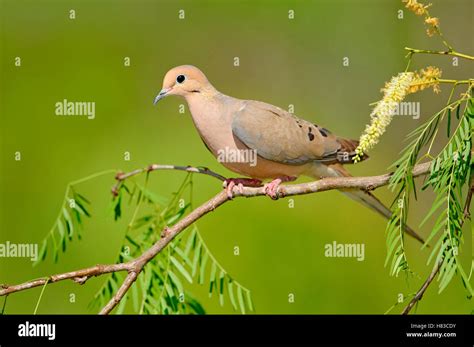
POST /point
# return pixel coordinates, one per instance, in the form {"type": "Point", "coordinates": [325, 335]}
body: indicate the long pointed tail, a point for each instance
{"type": "Point", "coordinates": [368, 199]}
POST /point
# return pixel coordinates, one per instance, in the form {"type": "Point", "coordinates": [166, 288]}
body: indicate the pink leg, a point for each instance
{"type": "Point", "coordinates": [271, 189]}
{"type": "Point", "coordinates": [230, 183]}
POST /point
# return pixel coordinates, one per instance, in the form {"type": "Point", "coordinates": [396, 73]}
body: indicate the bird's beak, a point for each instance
{"type": "Point", "coordinates": [161, 95]}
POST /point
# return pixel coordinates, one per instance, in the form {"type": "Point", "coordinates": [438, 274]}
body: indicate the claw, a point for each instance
{"type": "Point", "coordinates": [271, 188]}
{"type": "Point", "coordinates": [228, 189]}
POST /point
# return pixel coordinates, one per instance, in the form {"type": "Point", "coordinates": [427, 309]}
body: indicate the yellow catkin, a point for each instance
{"type": "Point", "coordinates": [421, 10]}
{"type": "Point", "coordinates": [382, 114]}
{"type": "Point", "coordinates": [418, 8]}
{"type": "Point", "coordinates": [426, 78]}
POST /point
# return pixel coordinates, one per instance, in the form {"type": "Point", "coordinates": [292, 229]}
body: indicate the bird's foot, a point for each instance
{"type": "Point", "coordinates": [230, 183]}
{"type": "Point", "coordinates": [271, 188]}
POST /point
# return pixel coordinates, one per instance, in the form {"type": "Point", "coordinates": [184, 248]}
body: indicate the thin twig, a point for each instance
{"type": "Point", "coordinates": [82, 274]}
{"type": "Point", "coordinates": [127, 283]}
{"type": "Point", "coordinates": [449, 52]}
{"type": "Point", "coordinates": [122, 176]}
{"type": "Point", "coordinates": [422, 290]}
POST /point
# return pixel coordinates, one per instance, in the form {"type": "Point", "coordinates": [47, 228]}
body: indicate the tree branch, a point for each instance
{"type": "Point", "coordinates": [134, 267]}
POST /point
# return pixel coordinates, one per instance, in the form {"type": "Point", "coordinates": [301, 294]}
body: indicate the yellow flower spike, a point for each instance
{"type": "Point", "coordinates": [433, 21]}
{"type": "Point", "coordinates": [382, 114]}
{"type": "Point", "coordinates": [426, 78]}
{"type": "Point", "coordinates": [418, 8]}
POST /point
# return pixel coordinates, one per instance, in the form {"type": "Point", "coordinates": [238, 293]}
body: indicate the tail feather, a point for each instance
{"type": "Point", "coordinates": [368, 199]}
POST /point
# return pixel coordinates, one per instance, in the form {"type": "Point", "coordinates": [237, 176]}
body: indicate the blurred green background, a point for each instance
{"type": "Point", "coordinates": [282, 62]}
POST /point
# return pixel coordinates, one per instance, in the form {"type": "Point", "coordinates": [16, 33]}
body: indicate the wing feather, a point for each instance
{"type": "Point", "coordinates": [279, 136]}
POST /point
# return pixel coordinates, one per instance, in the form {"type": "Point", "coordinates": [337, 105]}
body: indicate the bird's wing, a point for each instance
{"type": "Point", "coordinates": [279, 136]}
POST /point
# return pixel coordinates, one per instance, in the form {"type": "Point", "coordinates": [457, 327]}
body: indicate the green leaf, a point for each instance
{"type": "Point", "coordinates": [69, 224]}
{"type": "Point", "coordinates": [221, 288]}
{"type": "Point", "coordinates": [164, 305]}
{"type": "Point", "coordinates": [448, 274]}
{"type": "Point", "coordinates": [81, 208]}
{"type": "Point", "coordinates": [79, 197]}
{"type": "Point", "coordinates": [62, 234]}
{"type": "Point", "coordinates": [202, 269]}
{"type": "Point", "coordinates": [230, 289]}
{"type": "Point", "coordinates": [197, 255]}
{"type": "Point", "coordinates": [249, 301]}
{"type": "Point", "coordinates": [212, 279]}
{"type": "Point", "coordinates": [397, 263]}
{"type": "Point", "coordinates": [181, 269]}
{"type": "Point", "coordinates": [118, 207]}
{"type": "Point", "coordinates": [43, 251]}
{"type": "Point", "coordinates": [240, 297]}
{"type": "Point", "coordinates": [183, 256]}
{"type": "Point", "coordinates": [176, 281]}
{"type": "Point", "coordinates": [169, 291]}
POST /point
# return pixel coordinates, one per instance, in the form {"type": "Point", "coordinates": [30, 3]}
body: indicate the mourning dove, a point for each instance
{"type": "Point", "coordinates": [286, 146]}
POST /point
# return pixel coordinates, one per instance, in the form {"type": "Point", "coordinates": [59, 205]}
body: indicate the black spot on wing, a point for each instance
{"type": "Point", "coordinates": [310, 134]}
{"type": "Point", "coordinates": [324, 132]}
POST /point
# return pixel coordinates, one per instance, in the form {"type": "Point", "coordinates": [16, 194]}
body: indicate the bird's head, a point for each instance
{"type": "Point", "coordinates": [183, 81]}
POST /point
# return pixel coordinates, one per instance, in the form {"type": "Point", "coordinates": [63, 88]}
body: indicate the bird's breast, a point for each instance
{"type": "Point", "coordinates": [213, 123]}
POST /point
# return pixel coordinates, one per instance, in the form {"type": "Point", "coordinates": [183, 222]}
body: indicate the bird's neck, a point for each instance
{"type": "Point", "coordinates": [210, 116]}
{"type": "Point", "coordinates": [204, 107]}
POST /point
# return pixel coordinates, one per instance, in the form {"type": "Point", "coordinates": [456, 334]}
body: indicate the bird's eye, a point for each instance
{"type": "Point", "coordinates": [180, 78]}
